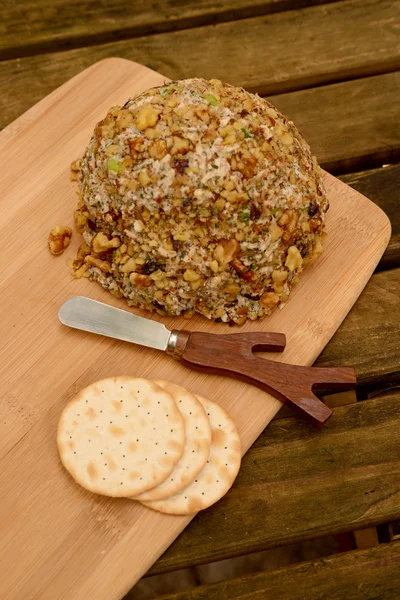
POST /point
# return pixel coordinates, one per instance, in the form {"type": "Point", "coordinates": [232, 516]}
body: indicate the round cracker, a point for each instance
{"type": "Point", "coordinates": [219, 472]}
{"type": "Point", "coordinates": [121, 436]}
{"type": "Point", "coordinates": [197, 445]}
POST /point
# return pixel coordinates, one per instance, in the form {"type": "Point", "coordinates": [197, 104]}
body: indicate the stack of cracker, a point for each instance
{"type": "Point", "coordinates": [151, 441]}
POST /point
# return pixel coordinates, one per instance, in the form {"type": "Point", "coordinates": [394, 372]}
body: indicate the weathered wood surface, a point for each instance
{"type": "Point", "coordinates": [35, 26]}
{"type": "Point", "coordinates": [369, 337]}
{"type": "Point", "coordinates": [360, 575]}
{"type": "Point", "coordinates": [268, 54]}
{"type": "Point", "coordinates": [382, 186]}
{"type": "Point", "coordinates": [350, 125]}
{"type": "Point", "coordinates": [296, 483]}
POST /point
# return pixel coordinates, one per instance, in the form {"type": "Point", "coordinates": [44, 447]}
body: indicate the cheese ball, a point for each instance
{"type": "Point", "coordinates": [198, 197]}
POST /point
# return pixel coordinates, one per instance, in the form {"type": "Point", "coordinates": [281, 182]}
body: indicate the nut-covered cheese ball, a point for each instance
{"type": "Point", "coordinates": [198, 196]}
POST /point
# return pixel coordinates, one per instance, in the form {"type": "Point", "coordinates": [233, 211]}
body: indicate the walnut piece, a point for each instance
{"type": "Point", "coordinates": [146, 117]}
{"type": "Point", "coordinates": [101, 243]}
{"type": "Point", "coordinates": [294, 259]}
{"type": "Point", "coordinates": [59, 239]}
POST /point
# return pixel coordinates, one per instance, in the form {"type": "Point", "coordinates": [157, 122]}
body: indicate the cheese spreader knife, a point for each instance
{"type": "Point", "coordinates": [231, 355]}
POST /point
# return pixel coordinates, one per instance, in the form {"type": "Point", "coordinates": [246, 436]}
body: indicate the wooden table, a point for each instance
{"type": "Point", "coordinates": [333, 67]}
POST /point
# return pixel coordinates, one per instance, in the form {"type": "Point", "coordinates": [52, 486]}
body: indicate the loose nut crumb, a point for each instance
{"type": "Point", "coordinates": [59, 239]}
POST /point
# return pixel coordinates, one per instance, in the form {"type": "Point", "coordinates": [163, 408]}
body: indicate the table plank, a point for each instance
{"type": "Point", "coordinates": [297, 483]}
{"type": "Point", "coordinates": [350, 125]}
{"type": "Point", "coordinates": [357, 575]}
{"type": "Point", "coordinates": [268, 54]}
{"type": "Point", "coordinates": [32, 26]}
{"type": "Point", "coordinates": [369, 337]}
{"type": "Point", "coordinates": [382, 186]}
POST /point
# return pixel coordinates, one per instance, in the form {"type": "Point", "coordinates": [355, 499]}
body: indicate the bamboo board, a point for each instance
{"type": "Point", "coordinates": [57, 540]}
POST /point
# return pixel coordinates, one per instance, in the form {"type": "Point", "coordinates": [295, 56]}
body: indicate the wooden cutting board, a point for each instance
{"type": "Point", "coordinates": [57, 540]}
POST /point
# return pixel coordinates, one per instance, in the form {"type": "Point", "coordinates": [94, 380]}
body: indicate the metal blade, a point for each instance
{"type": "Point", "coordinates": [83, 313]}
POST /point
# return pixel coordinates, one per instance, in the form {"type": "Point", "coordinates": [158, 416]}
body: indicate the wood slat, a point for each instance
{"type": "Point", "coordinates": [268, 54]}
{"type": "Point", "coordinates": [349, 126]}
{"type": "Point", "coordinates": [297, 483]}
{"type": "Point", "coordinates": [32, 26]}
{"type": "Point", "coordinates": [383, 187]}
{"type": "Point", "coordinates": [368, 338]}
{"type": "Point", "coordinates": [359, 575]}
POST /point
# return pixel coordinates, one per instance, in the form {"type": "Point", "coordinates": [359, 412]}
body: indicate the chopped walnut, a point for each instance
{"type": "Point", "coordinates": [269, 300]}
{"type": "Point", "coordinates": [226, 252]}
{"type": "Point", "coordinates": [158, 149]}
{"type": "Point", "coordinates": [294, 259]}
{"type": "Point", "coordinates": [140, 280]}
{"type": "Point", "coordinates": [74, 170]}
{"type": "Point", "coordinates": [103, 265]}
{"type": "Point", "coordinates": [147, 117]}
{"type": "Point", "coordinates": [59, 239]}
{"type": "Point", "coordinates": [180, 146]}
{"type": "Point", "coordinates": [101, 243]}
{"type": "Point", "coordinates": [241, 270]}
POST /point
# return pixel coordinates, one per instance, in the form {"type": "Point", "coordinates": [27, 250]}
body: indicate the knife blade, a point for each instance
{"type": "Point", "coordinates": [96, 317]}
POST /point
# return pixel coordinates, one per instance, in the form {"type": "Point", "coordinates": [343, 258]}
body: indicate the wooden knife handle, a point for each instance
{"type": "Point", "coordinates": [232, 355]}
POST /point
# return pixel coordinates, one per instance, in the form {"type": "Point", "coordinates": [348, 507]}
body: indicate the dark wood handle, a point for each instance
{"type": "Point", "coordinates": [232, 354]}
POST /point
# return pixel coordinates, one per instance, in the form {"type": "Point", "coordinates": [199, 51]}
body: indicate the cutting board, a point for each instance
{"type": "Point", "coordinates": [57, 540]}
